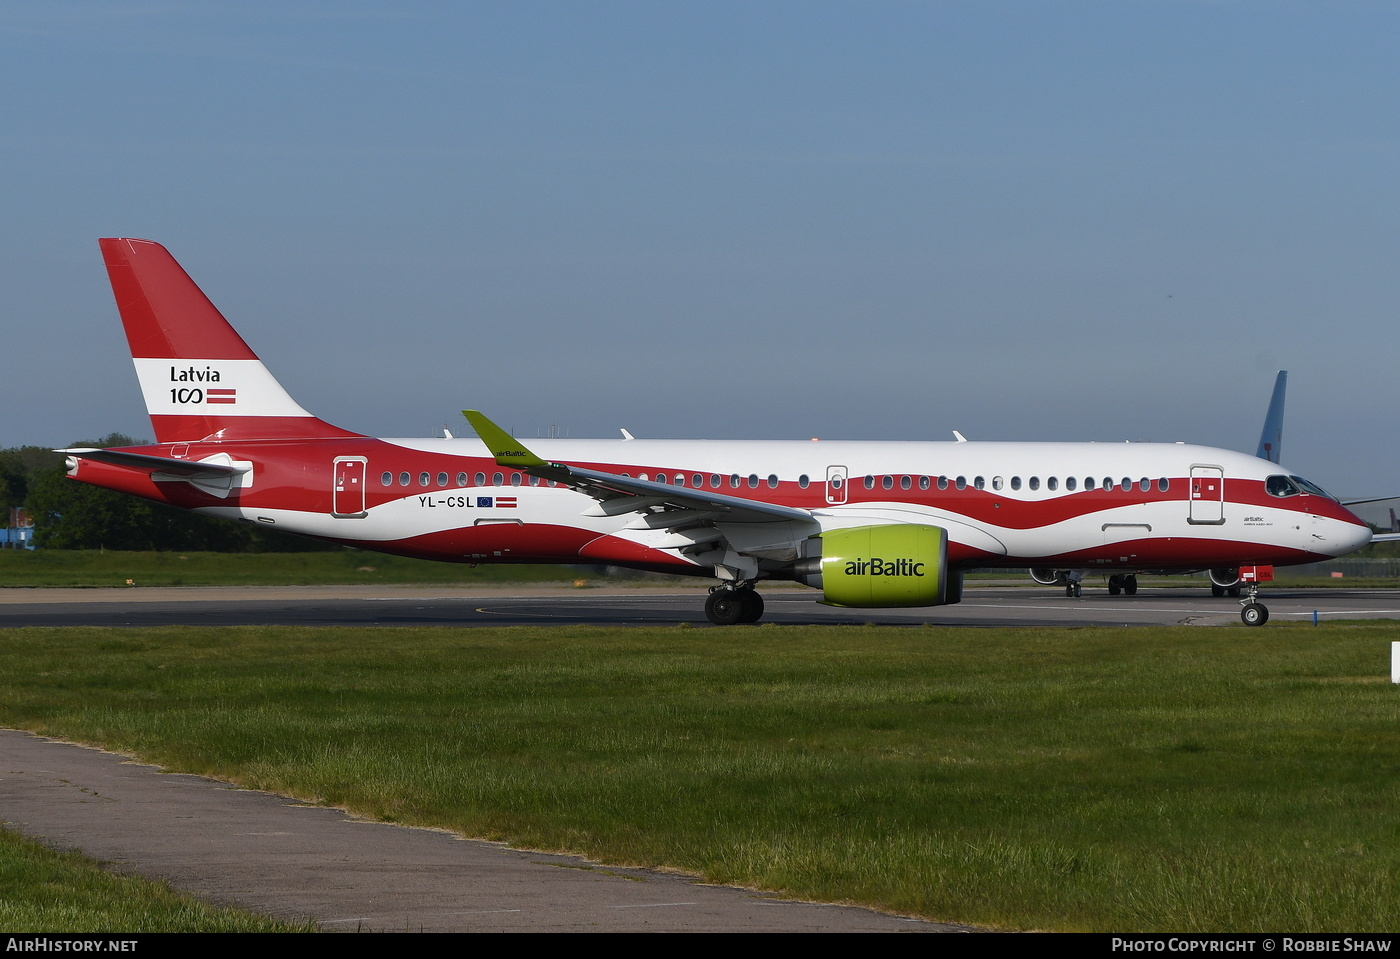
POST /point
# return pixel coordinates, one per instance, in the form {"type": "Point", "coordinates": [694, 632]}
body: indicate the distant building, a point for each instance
{"type": "Point", "coordinates": [20, 533]}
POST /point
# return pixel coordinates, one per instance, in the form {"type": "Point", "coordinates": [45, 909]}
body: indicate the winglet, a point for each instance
{"type": "Point", "coordinates": [508, 450]}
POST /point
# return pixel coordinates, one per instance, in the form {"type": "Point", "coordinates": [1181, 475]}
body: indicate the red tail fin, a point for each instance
{"type": "Point", "coordinates": [200, 380]}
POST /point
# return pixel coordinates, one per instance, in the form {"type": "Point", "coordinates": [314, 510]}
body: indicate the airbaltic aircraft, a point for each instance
{"type": "Point", "coordinates": [870, 524]}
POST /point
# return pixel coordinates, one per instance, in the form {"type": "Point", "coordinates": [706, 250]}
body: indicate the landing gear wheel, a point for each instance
{"type": "Point", "coordinates": [1073, 590]}
{"type": "Point", "coordinates": [724, 607]}
{"type": "Point", "coordinates": [1232, 591]}
{"type": "Point", "coordinates": [1130, 585]}
{"type": "Point", "coordinates": [1254, 614]}
{"type": "Point", "coordinates": [753, 605]}
{"type": "Point", "coordinates": [1217, 591]}
{"type": "Point", "coordinates": [1115, 584]}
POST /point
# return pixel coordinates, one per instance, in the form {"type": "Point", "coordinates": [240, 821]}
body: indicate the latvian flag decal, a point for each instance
{"type": "Point", "coordinates": [505, 502]}
{"type": "Point", "coordinates": [221, 396]}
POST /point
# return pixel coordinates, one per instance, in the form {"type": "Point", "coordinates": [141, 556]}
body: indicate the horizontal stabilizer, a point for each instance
{"type": "Point", "coordinates": [186, 469]}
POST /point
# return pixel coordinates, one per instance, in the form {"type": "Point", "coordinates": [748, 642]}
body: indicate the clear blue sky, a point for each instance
{"type": "Point", "coordinates": [1056, 221]}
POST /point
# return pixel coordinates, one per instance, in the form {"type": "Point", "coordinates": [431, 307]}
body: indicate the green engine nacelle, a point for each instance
{"type": "Point", "coordinates": [880, 566]}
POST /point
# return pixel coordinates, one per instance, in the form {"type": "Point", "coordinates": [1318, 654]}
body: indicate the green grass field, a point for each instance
{"type": "Point", "coordinates": [1101, 779]}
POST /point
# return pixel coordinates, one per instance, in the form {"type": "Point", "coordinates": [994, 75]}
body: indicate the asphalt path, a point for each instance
{"type": "Point", "coordinates": [636, 606]}
{"type": "Point", "coordinates": [283, 858]}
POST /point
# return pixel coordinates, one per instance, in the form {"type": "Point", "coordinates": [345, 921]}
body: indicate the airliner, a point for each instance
{"type": "Point", "coordinates": [868, 524]}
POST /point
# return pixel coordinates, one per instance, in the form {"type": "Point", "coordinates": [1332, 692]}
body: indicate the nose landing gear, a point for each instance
{"type": "Point", "coordinates": [1253, 613]}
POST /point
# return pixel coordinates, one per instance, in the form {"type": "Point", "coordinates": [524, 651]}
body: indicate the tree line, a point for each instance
{"type": "Point", "coordinates": [71, 515]}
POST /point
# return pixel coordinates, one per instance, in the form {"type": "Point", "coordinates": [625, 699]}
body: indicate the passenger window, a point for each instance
{"type": "Point", "coordinates": [698, 481]}
{"type": "Point", "coordinates": [887, 482]}
{"type": "Point", "coordinates": [660, 477]}
{"type": "Point", "coordinates": [1127, 483]}
{"type": "Point", "coordinates": [905, 482]}
{"type": "Point", "coordinates": [961, 482]}
{"type": "Point", "coordinates": [1035, 482]}
{"type": "Point", "coordinates": [772, 481]}
{"type": "Point", "coordinates": [387, 479]}
{"type": "Point", "coordinates": [515, 479]}
{"type": "Point", "coordinates": [753, 481]}
{"type": "Point", "coordinates": [497, 479]}
{"type": "Point", "coordinates": [979, 483]}
{"type": "Point", "coordinates": [423, 479]}
{"type": "Point", "coordinates": [405, 479]}
{"type": "Point", "coordinates": [480, 479]}
{"type": "Point", "coordinates": [1071, 483]}
{"type": "Point", "coordinates": [1088, 482]}
{"type": "Point", "coordinates": [442, 479]}
{"type": "Point", "coordinates": [804, 481]}
{"type": "Point", "coordinates": [1144, 484]}
{"type": "Point", "coordinates": [735, 481]}
{"type": "Point", "coordinates": [942, 482]}
{"type": "Point", "coordinates": [1163, 485]}
{"type": "Point", "coordinates": [870, 482]}
{"type": "Point", "coordinates": [1053, 483]}
{"type": "Point", "coordinates": [1015, 482]}
{"type": "Point", "coordinates": [996, 482]}
{"type": "Point", "coordinates": [923, 482]}
{"type": "Point", "coordinates": [461, 479]}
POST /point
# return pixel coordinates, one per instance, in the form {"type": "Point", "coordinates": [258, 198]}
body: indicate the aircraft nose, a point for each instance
{"type": "Point", "coordinates": [1349, 537]}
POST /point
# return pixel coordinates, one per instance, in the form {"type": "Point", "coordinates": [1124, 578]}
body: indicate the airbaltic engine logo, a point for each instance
{"type": "Point", "coordinates": [875, 566]}
{"type": "Point", "coordinates": [195, 395]}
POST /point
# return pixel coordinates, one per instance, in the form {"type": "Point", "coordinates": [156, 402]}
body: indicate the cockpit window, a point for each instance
{"type": "Point", "coordinates": [1312, 488]}
{"type": "Point", "coordinates": [1293, 486]}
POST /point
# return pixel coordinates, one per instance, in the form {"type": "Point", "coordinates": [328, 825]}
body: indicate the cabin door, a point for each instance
{"type": "Point", "coordinates": [348, 496]}
{"type": "Point", "coordinates": [1207, 495]}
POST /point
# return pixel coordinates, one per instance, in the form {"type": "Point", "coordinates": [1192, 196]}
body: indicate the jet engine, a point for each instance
{"type": "Point", "coordinates": [1225, 577]}
{"type": "Point", "coordinates": [881, 566]}
{"type": "Point", "coordinates": [1050, 577]}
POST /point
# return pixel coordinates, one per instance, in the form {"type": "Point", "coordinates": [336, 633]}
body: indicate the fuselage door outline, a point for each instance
{"type": "Point", "coordinates": [1207, 492]}
{"type": "Point", "coordinates": [835, 486]}
{"type": "Point", "coordinates": [348, 490]}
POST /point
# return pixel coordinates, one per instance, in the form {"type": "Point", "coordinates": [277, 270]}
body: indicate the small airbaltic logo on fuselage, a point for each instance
{"type": "Point", "coordinates": [876, 566]}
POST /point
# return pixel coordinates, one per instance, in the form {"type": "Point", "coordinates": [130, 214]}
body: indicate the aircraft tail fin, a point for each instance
{"type": "Point", "coordinates": [199, 379]}
{"type": "Point", "coordinates": [1271, 439]}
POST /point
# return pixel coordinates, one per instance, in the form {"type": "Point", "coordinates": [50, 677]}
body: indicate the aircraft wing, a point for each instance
{"type": "Point", "coordinates": [679, 505]}
{"type": "Point", "coordinates": [185, 469]}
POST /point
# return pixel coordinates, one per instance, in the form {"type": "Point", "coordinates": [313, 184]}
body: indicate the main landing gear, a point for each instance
{"type": "Point", "coordinates": [1122, 583]}
{"type": "Point", "coordinates": [727, 605]}
{"type": "Point", "coordinates": [1253, 613]}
